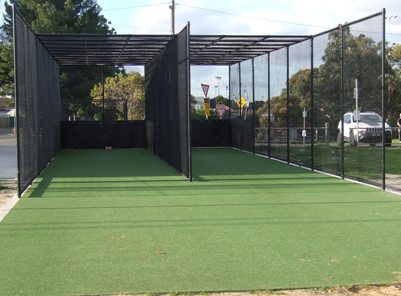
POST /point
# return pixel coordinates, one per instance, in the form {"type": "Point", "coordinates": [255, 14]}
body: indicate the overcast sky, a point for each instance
{"type": "Point", "coordinates": [243, 17]}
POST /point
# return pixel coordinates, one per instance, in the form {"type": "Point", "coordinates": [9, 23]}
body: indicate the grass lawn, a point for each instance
{"type": "Point", "coordinates": [363, 162]}
{"type": "Point", "coordinates": [98, 222]}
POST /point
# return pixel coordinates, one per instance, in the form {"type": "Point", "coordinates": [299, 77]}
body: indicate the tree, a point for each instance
{"type": "Point", "coordinates": [120, 90]}
{"type": "Point", "coordinates": [6, 69]}
{"type": "Point", "coordinates": [362, 61]}
{"type": "Point", "coordinates": [58, 16]}
{"type": "Point", "coordinates": [393, 83]}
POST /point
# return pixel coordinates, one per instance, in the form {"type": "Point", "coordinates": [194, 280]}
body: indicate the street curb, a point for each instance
{"type": "Point", "coordinates": [7, 207]}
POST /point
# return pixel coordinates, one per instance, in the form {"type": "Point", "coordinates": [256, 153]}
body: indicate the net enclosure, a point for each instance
{"type": "Point", "coordinates": [288, 93]}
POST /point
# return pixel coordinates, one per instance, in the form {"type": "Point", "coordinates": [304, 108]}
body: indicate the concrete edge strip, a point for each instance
{"type": "Point", "coordinates": [8, 206]}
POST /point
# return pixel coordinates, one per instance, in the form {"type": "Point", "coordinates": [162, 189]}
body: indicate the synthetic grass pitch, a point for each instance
{"type": "Point", "coordinates": [99, 222]}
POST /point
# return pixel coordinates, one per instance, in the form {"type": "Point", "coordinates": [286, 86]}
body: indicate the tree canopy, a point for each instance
{"type": "Point", "coordinates": [362, 61]}
{"type": "Point", "coordinates": [57, 16]}
{"type": "Point", "coordinates": [124, 94]}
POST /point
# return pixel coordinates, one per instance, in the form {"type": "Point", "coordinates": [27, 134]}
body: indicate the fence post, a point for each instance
{"type": "Point", "coordinates": [342, 99]}
{"type": "Point", "coordinates": [383, 94]}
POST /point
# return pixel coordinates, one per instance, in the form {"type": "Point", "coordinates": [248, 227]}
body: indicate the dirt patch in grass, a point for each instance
{"type": "Point", "coordinates": [393, 290]}
{"type": "Point", "coordinates": [8, 189]}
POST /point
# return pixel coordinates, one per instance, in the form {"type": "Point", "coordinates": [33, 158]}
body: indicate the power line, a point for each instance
{"type": "Point", "coordinates": [158, 22]}
{"type": "Point", "coordinates": [138, 6]}
{"type": "Point", "coordinates": [251, 17]}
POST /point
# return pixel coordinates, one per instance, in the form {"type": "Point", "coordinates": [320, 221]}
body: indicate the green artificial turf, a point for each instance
{"type": "Point", "coordinates": [98, 222]}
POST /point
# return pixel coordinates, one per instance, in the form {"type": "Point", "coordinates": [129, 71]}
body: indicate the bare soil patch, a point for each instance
{"type": "Point", "coordinates": [393, 290]}
{"type": "Point", "coordinates": [8, 189]}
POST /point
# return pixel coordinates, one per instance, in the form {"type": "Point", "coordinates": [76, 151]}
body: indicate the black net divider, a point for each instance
{"type": "Point", "coordinates": [37, 103]}
{"type": "Point", "coordinates": [99, 134]}
{"type": "Point", "coordinates": [168, 104]}
{"type": "Point", "coordinates": [318, 103]}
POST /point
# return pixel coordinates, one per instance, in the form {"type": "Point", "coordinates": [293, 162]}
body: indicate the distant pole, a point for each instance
{"type": "Point", "coordinates": [172, 7]}
{"type": "Point", "coordinates": [356, 113]}
{"type": "Point", "coordinates": [103, 93]}
{"type": "Point", "coordinates": [218, 84]}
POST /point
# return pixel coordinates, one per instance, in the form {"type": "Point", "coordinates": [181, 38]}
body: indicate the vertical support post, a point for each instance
{"type": "Point", "coordinates": [342, 99]}
{"type": "Point", "coordinates": [383, 94]}
{"type": "Point", "coordinates": [239, 88]}
{"type": "Point", "coordinates": [172, 7]}
{"type": "Point", "coordinates": [269, 119]}
{"type": "Point", "coordinates": [288, 104]}
{"type": "Point", "coordinates": [229, 92]}
{"type": "Point", "coordinates": [253, 105]}
{"type": "Point", "coordinates": [229, 105]}
{"type": "Point", "coordinates": [17, 127]}
{"type": "Point", "coordinates": [188, 77]}
{"type": "Point", "coordinates": [312, 107]}
{"type": "Point", "coordinates": [103, 95]}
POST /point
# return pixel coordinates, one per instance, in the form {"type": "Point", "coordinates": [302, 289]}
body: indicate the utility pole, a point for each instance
{"type": "Point", "coordinates": [218, 83]}
{"type": "Point", "coordinates": [172, 7]}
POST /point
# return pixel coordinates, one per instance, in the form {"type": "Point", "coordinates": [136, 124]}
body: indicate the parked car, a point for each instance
{"type": "Point", "coordinates": [368, 130]}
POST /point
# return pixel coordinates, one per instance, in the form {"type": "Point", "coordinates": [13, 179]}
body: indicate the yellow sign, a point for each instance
{"type": "Point", "coordinates": [241, 102]}
{"type": "Point", "coordinates": [206, 102]}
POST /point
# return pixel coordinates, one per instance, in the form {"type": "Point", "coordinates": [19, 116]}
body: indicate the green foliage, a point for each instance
{"type": "Point", "coordinates": [393, 83]}
{"type": "Point", "coordinates": [58, 16]}
{"type": "Point", "coordinates": [6, 69]}
{"type": "Point", "coordinates": [122, 89]}
{"type": "Point", "coordinates": [222, 100]}
{"type": "Point", "coordinates": [362, 61]}
{"type": "Point", "coordinates": [200, 114]}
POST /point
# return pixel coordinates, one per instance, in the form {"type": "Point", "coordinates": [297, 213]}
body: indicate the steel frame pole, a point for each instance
{"type": "Point", "coordinates": [253, 105]}
{"type": "Point", "coordinates": [383, 95]}
{"type": "Point", "coordinates": [342, 99]}
{"type": "Point", "coordinates": [268, 107]}
{"type": "Point", "coordinates": [288, 104]}
{"type": "Point", "coordinates": [312, 107]}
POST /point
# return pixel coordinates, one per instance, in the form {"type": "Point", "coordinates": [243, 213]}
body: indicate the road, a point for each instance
{"type": "Point", "coordinates": [8, 155]}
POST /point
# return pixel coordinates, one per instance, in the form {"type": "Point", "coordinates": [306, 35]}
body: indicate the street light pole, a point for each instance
{"type": "Point", "coordinates": [172, 7]}
{"type": "Point", "coordinates": [218, 83]}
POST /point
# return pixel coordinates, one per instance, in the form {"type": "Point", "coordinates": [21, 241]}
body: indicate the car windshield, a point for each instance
{"type": "Point", "coordinates": [370, 119]}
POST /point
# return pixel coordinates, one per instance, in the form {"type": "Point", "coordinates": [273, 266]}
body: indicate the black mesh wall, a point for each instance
{"type": "Point", "coordinates": [99, 134]}
{"type": "Point", "coordinates": [327, 101]}
{"type": "Point", "coordinates": [241, 96]}
{"type": "Point", "coordinates": [167, 104]}
{"type": "Point", "coordinates": [338, 135]}
{"type": "Point", "coordinates": [278, 103]}
{"type": "Point", "coordinates": [262, 108]}
{"type": "Point", "coordinates": [38, 103]}
{"type": "Point", "coordinates": [299, 111]}
{"type": "Point", "coordinates": [363, 68]}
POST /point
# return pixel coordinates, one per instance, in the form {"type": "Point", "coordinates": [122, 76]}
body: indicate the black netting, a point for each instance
{"type": "Point", "coordinates": [234, 90]}
{"type": "Point", "coordinates": [38, 103]}
{"type": "Point", "coordinates": [327, 101]}
{"type": "Point", "coordinates": [262, 108]}
{"type": "Point", "coordinates": [302, 120]}
{"type": "Point", "coordinates": [278, 103]}
{"type": "Point", "coordinates": [241, 76]}
{"type": "Point", "coordinates": [167, 104]}
{"type": "Point", "coordinates": [299, 112]}
{"type": "Point", "coordinates": [363, 131]}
